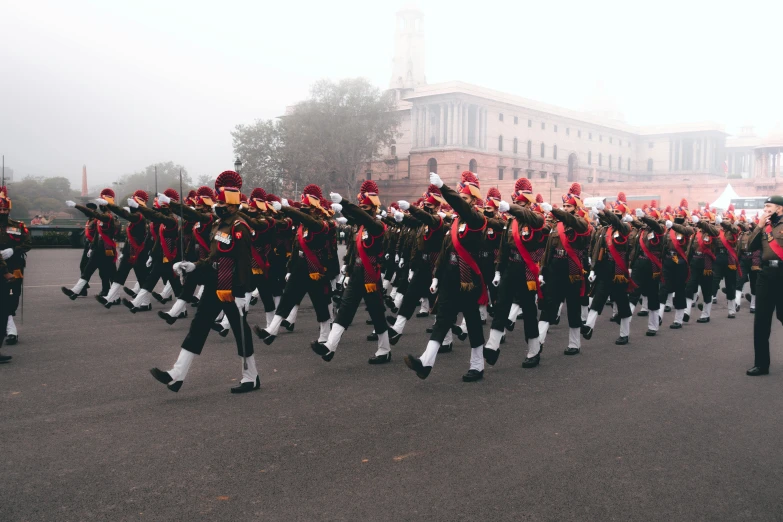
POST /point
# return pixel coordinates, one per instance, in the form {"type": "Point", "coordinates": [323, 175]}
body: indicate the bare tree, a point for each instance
{"type": "Point", "coordinates": [260, 147]}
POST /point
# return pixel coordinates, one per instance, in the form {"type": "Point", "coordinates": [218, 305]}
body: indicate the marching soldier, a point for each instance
{"type": "Point", "coordinates": [768, 237]}
{"type": "Point", "coordinates": [676, 270]}
{"type": "Point", "coordinates": [15, 242]}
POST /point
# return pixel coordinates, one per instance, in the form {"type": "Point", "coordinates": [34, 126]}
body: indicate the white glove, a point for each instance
{"type": "Point", "coordinates": [89, 253]}
{"type": "Point", "coordinates": [591, 277]}
{"type": "Point", "coordinates": [639, 212]}
{"type": "Point", "coordinates": [718, 219]}
{"type": "Point", "coordinates": [287, 276]}
{"type": "Point", "coordinates": [627, 218]}
{"type": "Point", "coordinates": [404, 205]}
{"type": "Point", "coordinates": [337, 207]}
{"type": "Point", "coordinates": [132, 203]}
{"type": "Point", "coordinates": [401, 263]}
{"type": "Point", "coordinates": [541, 280]}
{"type": "Point", "coordinates": [668, 224]}
{"type": "Point", "coordinates": [163, 199]}
{"type": "Point", "coordinates": [383, 213]}
{"type": "Point", "coordinates": [434, 285]}
{"type": "Point", "coordinates": [379, 217]}
{"type": "Point", "coordinates": [442, 215]}
{"type": "Point", "coordinates": [184, 267]}
{"type": "Point", "coordinates": [546, 207]}
{"type": "Point", "coordinates": [8, 252]}
{"type": "Point", "coordinates": [435, 180]}
{"type": "Point", "coordinates": [335, 197]}
{"type": "Point", "coordinates": [283, 203]}
{"type": "Point", "coordinates": [396, 258]}
{"type": "Point", "coordinates": [149, 261]}
{"type": "Point", "coordinates": [345, 281]}
{"type": "Point", "coordinates": [277, 206]}
{"type": "Point", "coordinates": [241, 303]}
{"type": "Point", "coordinates": [70, 203]}
{"type": "Point", "coordinates": [630, 271]}
{"type": "Point", "coordinates": [342, 220]}
{"type": "Point", "coordinates": [496, 280]}
{"type": "Point", "coordinates": [695, 219]}
{"type": "Point", "coordinates": [126, 209]}
{"type": "Point", "coordinates": [503, 207]}
{"type": "Point", "coordinates": [398, 217]}
{"type": "Point", "coordinates": [600, 206]}
{"type": "Point", "coordinates": [342, 269]}
{"type": "Point", "coordinates": [410, 275]}
{"type": "Point", "coordinates": [386, 256]}
{"type": "Point", "coordinates": [101, 201]}
{"type": "Point", "coordinates": [119, 257]}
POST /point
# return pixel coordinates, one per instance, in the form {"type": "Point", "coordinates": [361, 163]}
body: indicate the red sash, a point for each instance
{"type": "Point", "coordinates": [468, 259]}
{"type": "Point", "coordinates": [618, 259]}
{"type": "Point", "coordinates": [375, 274]}
{"type": "Point", "coordinates": [89, 235]}
{"type": "Point", "coordinates": [774, 245]}
{"type": "Point", "coordinates": [702, 246]}
{"type": "Point", "coordinates": [531, 265]}
{"type": "Point", "coordinates": [312, 259]}
{"type": "Point", "coordinates": [732, 253]}
{"type": "Point", "coordinates": [680, 251]}
{"type": "Point", "coordinates": [168, 255]}
{"type": "Point", "coordinates": [197, 234]}
{"type": "Point", "coordinates": [108, 243]}
{"type": "Point", "coordinates": [571, 253]}
{"type": "Point", "coordinates": [135, 248]}
{"type": "Point", "coordinates": [654, 260]}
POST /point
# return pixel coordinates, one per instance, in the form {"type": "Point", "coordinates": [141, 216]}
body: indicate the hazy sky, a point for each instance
{"type": "Point", "coordinates": [118, 85]}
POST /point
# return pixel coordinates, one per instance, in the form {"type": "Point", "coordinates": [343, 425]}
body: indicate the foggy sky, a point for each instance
{"type": "Point", "coordinates": [118, 85]}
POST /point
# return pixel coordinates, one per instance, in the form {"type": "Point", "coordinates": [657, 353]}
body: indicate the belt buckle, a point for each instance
{"type": "Point", "coordinates": [774, 263]}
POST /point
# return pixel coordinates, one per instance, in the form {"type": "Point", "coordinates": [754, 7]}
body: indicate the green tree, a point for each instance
{"type": "Point", "coordinates": [168, 177]}
{"type": "Point", "coordinates": [260, 146]}
{"type": "Point", "coordinates": [206, 180]}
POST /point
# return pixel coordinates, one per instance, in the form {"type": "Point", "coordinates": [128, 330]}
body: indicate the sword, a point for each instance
{"type": "Point", "coordinates": [181, 227]}
{"type": "Point", "coordinates": [242, 336]}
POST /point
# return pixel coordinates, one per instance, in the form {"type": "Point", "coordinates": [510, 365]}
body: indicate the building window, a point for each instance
{"type": "Point", "coordinates": [529, 123]}
{"type": "Point", "coordinates": [543, 149]}
{"type": "Point", "coordinates": [554, 152]}
{"type": "Point", "coordinates": [589, 158]}
{"type": "Point", "coordinates": [600, 159]}
{"type": "Point", "coordinates": [394, 150]}
{"type": "Point", "coordinates": [620, 163]}
{"type": "Point", "coordinates": [500, 172]}
{"type": "Point", "coordinates": [473, 166]}
{"type": "Point", "coordinates": [542, 174]}
{"type": "Point", "coordinates": [650, 145]}
{"type": "Point", "coordinates": [568, 131]}
{"type": "Point", "coordinates": [649, 165]}
{"type": "Point", "coordinates": [432, 165]}
{"type": "Point", "coordinates": [369, 174]}
{"type": "Point", "coordinates": [590, 136]}
{"type": "Point", "coordinates": [500, 116]}
{"type": "Point", "coordinates": [529, 148]}
{"type": "Point", "coordinates": [500, 143]}
{"type": "Point", "coordinates": [516, 120]}
{"type": "Point", "coordinates": [516, 173]}
{"type": "Point", "coordinates": [543, 126]}
{"type": "Point", "coordinates": [629, 164]}
{"type": "Point", "coordinates": [516, 145]}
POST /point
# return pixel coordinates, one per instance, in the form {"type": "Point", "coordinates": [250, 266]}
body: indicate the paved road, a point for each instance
{"type": "Point", "coordinates": [666, 428]}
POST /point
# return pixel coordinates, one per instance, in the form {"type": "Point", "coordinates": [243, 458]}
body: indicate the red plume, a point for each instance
{"type": "Point", "coordinates": [313, 190]}
{"type": "Point", "coordinates": [369, 186]}
{"type": "Point", "coordinates": [271, 197]}
{"type": "Point", "coordinates": [469, 177]}
{"type": "Point", "coordinates": [523, 184]}
{"type": "Point", "coordinates": [654, 204]}
{"type": "Point", "coordinates": [539, 198]}
{"type": "Point", "coordinates": [205, 192]}
{"type": "Point", "coordinates": [731, 207]}
{"type": "Point", "coordinates": [258, 193]}
{"type": "Point", "coordinates": [493, 193]}
{"type": "Point", "coordinates": [142, 195]}
{"type": "Point", "coordinates": [684, 203]}
{"type": "Point", "coordinates": [228, 178]}
{"type": "Point", "coordinates": [576, 190]}
{"type": "Point", "coordinates": [432, 189]}
{"type": "Point", "coordinates": [620, 197]}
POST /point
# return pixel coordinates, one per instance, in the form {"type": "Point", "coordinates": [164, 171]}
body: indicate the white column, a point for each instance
{"type": "Point", "coordinates": [450, 127]}
{"type": "Point", "coordinates": [483, 128]}
{"type": "Point", "coordinates": [477, 126]}
{"type": "Point", "coordinates": [458, 123]}
{"type": "Point", "coordinates": [465, 124]}
{"type": "Point", "coordinates": [414, 126]}
{"type": "Point", "coordinates": [442, 120]}
{"type": "Point", "coordinates": [427, 130]}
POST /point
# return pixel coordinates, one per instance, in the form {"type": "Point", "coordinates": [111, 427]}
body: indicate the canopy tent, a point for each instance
{"type": "Point", "coordinates": [724, 200]}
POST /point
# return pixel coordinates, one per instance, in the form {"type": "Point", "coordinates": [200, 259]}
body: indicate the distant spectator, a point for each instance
{"type": "Point", "coordinates": [36, 220]}
{"type": "Point", "coordinates": [45, 220]}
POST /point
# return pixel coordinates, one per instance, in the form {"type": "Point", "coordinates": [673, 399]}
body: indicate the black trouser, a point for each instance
{"type": "Point", "coordinates": [401, 281]}
{"type": "Point", "coordinates": [83, 262]}
{"type": "Point", "coordinates": [722, 271]}
{"type": "Point", "coordinates": [139, 268]}
{"type": "Point", "coordinates": [15, 291]}
{"type": "Point", "coordinates": [105, 266]}
{"type": "Point", "coordinates": [514, 287]}
{"type": "Point", "coordinates": [675, 278]}
{"type": "Point", "coordinates": [5, 311]}
{"type": "Point", "coordinates": [487, 267]}
{"type": "Point", "coordinates": [352, 297]}
{"type": "Point", "coordinates": [649, 285]}
{"type": "Point", "coordinates": [748, 274]}
{"type": "Point", "coordinates": [208, 309]}
{"type": "Point", "coordinates": [261, 282]}
{"type": "Point", "coordinates": [769, 300]}
{"type": "Point", "coordinates": [698, 280]}
{"type": "Point", "coordinates": [300, 284]}
{"type": "Point", "coordinates": [559, 288]}
{"type": "Point", "coordinates": [277, 270]}
{"type": "Point", "coordinates": [418, 287]}
{"type": "Point", "coordinates": [165, 271]}
{"type": "Point", "coordinates": [451, 301]}
{"type": "Point", "coordinates": [606, 287]}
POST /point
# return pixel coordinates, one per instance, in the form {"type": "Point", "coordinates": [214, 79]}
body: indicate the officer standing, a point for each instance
{"type": "Point", "coordinates": [769, 285]}
{"type": "Point", "coordinates": [15, 242]}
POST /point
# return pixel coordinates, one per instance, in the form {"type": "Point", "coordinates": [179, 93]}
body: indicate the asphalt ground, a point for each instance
{"type": "Point", "coordinates": [665, 428]}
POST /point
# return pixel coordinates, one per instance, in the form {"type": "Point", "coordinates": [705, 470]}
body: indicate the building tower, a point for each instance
{"type": "Point", "coordinates": [408, 63]}
{"type": "Point", "coordinates": [84, 180]}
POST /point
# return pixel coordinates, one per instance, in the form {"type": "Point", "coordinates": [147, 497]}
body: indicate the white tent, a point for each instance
{"type": "Point", "coordinates": [724, 200]}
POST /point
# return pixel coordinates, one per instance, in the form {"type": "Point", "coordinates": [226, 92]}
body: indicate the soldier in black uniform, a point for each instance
{"type": "Point", "coordinates": [227, 283]}
{"type": "Point", "coordinates": [768, 237]}
{"type": "Point", "coordinates": [15, 242]}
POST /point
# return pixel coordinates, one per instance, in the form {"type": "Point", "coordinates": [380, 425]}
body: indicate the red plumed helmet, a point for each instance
{"type": "Point", "coordinates": [242, 198]}
{"type": "Point", "coordinates": [668, 209]}
{"type": "Point", "coordinates": [432, 189]}
{"type": "Point", "coordinates": [141, 195]}
{"type": "Point", "coordinates": [539, 198]}
{"type": "Point", "coordinates": [5, 201]}
{"type": "Point", "coordinates": [228, 178]}
{"type": "Point", "coordinates": [107, 192]}
{"type": "Point", "coordinates": [469, 177]}
{"type": "Point", "coordinates": [172, 194]}
{"type": "Point", "coordinates": [654, 204]}
{"type": "Point", "coordinates": [574, 193]}
{"type": "Point", "coordinates": [493, 193]}
{"type": "Point", "coordinates": [731, 207]}
{"type": "Point", "coordinates": [523, 189]}
{"type": "Point", "coordinates": [313, 190]}
{"type": "Point", "coordinates": [369, 186]}
{"type": "Point", "coordinates": [192, 194]}
{"type": "Point", "coordinates": [258, 193]}
{"type": "Point", "coordinates": [395, 206]}
{"type": "Point", "coordinates": [684, 203]}
{"type": "Point", "coordinates": [576, 190]}
{"type": "Point", "coordinates": [620, 195]}
{"type": "Point", "coordinates": [419, 202]}
{"type": "Point", "coordinates": [271, 197]}
{"type": "Point", "coordinates": [205, 192]}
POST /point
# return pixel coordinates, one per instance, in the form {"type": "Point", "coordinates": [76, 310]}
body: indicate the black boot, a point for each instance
{"type": "Point", "coordinates": [587, 332]}
{"type": "Point", "coordinates": [456, 330]}
{"type": "Point", "coordinates": [473, 376]}
{"type": "Point", "coordinates": [70, 293]}
{"type": "Point", "coordinates": [322, 350]}
{"type": "Point", "coordinates": [446, 348]}
{"type": "Point", "coordinates": [422, 314]}
{"type": "Point", "coordinates": [394, 337]}
{"type": "Point", "coordinates": [245, 387]}
{"type": "Point", "coordinates": [414, 363]}
{"type": "Point", "coordinates": [622, 340]}
{"type": "Point", "coordinates": [165, 378]}
{"type": "Point", "coordinates": [288, 326]}
{"type": "Point", "coordinates": [532, 362]}
{"type": "Point", "coordinates": [12, 339]}
{"type": "Point", "coordinates": [571, 351]}
{"type": "Point", "coordinates": [5, 359]}
{"type": "Point", "coordinates": [380, 359]}
{"type": "Point", "coordinates": [491, 356]}
{"type": "Point", "coordinates": [372, 337]}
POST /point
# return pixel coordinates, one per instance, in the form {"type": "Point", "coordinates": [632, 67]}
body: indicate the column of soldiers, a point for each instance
{"type": "Point", "coordinates": [454, 251]}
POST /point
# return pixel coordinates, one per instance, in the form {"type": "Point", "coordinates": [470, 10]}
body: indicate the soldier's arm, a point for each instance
{"type": "Point", "coordinates": [90, 213]}
{"type": "Point", "coordinates": [124, 214]}
{"type": "Point", "coordinates": [370, 223]}
{"type": "Point", "coordinates": [527, 216]}
{"type": "Point", "coordinates": [466, 212]}
{"type": "Point", "coordinates": [570, 220]}
{"type": "Point", "coordinates": [652, 224]}
{"type": "Point", "coordinates": [616, 222]}
{"type": "Point", "coordinates": [710, 229]}
{"type": "Point", "coordinates": [157, 217]}
{"type": "Point", "coordinates": [754, 243]}
{"type": "Point", "coordinates": [300, 218]}
{"type": "Point", "coordinates": [189, 214]}
{"type": "Point", "coordinates": [431, 220]}
{"type": "Point", "coordinates": [682, 229]}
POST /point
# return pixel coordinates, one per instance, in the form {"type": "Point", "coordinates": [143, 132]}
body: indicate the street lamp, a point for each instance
{"type": "Point", "coordinates": [237, 165]}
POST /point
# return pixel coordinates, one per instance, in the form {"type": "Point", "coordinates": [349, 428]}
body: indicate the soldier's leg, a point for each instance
{"type": "Point", "coordinates": [762, 320]}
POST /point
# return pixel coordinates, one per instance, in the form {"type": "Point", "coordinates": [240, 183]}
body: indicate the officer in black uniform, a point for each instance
{"type": "Point", "coordinates": [768, 237]}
